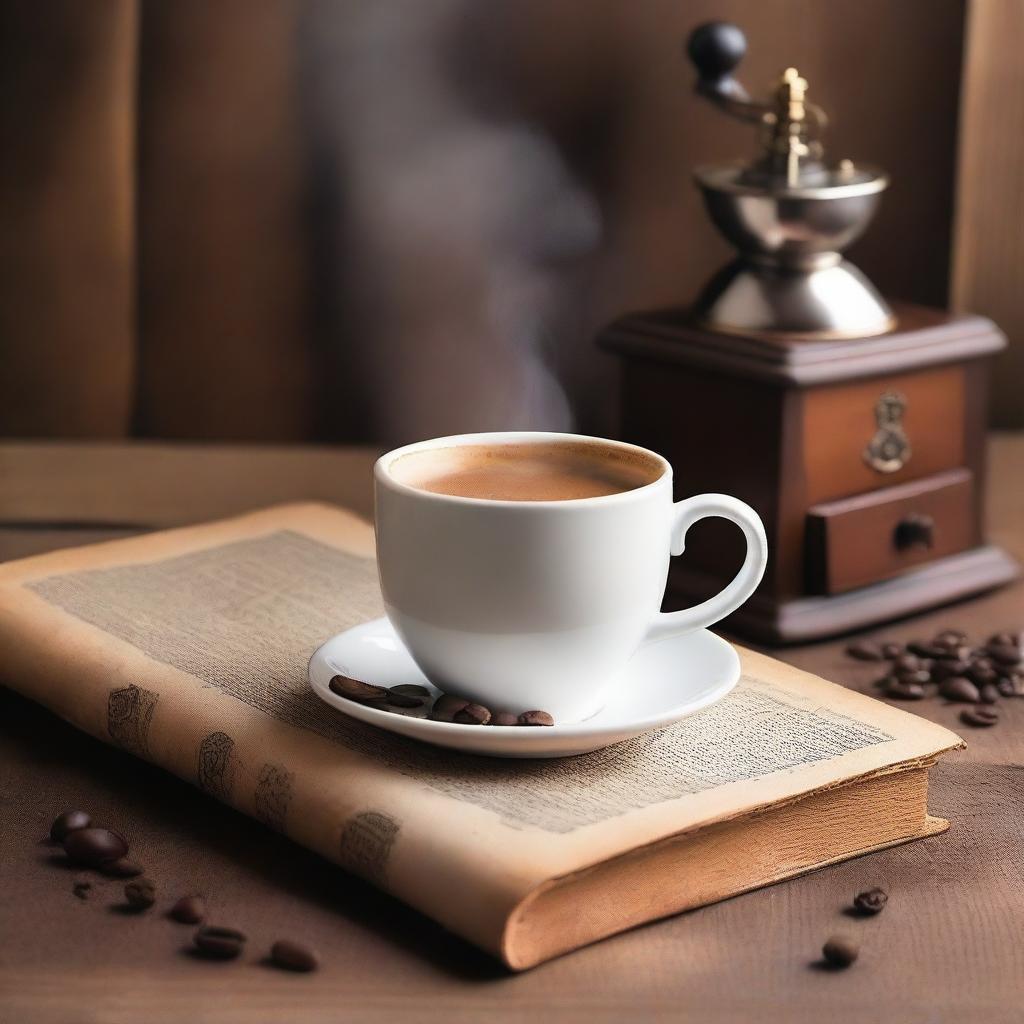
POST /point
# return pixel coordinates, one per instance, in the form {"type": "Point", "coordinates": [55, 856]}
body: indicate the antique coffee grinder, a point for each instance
{"type": "Point", "coordinates": [855, 427]}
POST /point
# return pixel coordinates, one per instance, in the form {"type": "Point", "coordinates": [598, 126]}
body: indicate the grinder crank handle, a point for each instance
{"type": "Point", "coordinates": [715, 50]}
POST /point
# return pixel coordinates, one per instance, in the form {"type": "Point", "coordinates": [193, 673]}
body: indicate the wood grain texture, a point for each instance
{"type": "Point", "coordinates": [853, 542]}
{"type": "Point", "coordinates": [946, 949]}
{"type": "Point", "coordinates": [988, 247]}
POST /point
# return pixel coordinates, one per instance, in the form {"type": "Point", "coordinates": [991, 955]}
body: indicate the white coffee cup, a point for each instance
{"type": "Point", "coordinates": [540, 604]}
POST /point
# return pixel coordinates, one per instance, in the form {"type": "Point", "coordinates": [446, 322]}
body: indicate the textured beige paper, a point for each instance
{"type": "Point", "coordinates": [189, 649]}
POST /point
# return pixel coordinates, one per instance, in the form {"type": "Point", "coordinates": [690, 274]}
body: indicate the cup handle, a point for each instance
{"type": "Point", "coordinates": [684, 515]}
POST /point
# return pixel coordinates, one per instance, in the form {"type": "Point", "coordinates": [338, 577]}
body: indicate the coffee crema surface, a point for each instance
{"type": "Point", "coordinates": [545, 471]}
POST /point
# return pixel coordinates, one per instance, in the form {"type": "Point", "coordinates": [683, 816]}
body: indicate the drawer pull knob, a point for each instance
{"type": "Point", "coordinates": [915, 531]}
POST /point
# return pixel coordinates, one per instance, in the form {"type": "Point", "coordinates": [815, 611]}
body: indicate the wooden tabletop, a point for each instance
{"type": "Point", "coordinates": [949, 947]}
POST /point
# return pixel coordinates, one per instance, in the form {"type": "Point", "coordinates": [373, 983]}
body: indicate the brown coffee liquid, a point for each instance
{"type": "Point", "coordinates": [555, 471]}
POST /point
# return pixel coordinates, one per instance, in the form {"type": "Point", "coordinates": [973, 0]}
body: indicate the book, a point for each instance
{"type": "Point", "coordinates": [189, 647]}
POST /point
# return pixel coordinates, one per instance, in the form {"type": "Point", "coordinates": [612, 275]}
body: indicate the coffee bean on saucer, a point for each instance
{"type": "Point", "coordinates": [294, 956]}
{"type": "Point", "coordinates": [536, 718]}
{"type": "Point", "coordinates": [357, 690]}
{"type": "Point", "coordinates": [140, 893]}
{"type": "Point", "coordinates": [403, 700]}
{"type": "Point", "coordinates": [891, 650]}
{"type": "Point", "coordinates": [840, 951]}
{"type": "Point", "coordinates": [865, 650]}
{"type": "Point", "coordinates": [871, 901]}
{"type": "Point", "coordinates": [121, 868]}
{"type": "Point", "coordinates": [215, 942]}
{"type": "Point", "coordinates": [897, 689]}
{"type": "Point", "coordinates": [981, 716]}
{"type": "Point", "coordinates": [82, 889]}
{"type": "Point", "coordinates": [960, 689]}
{"type": "Point", "coordinates": [410, 690]}
{"type": "Point", "coordinates": [444, 708]}
{"type": "Point", "coordinates": [94, 846]}
{"type": "Point", "coordinates": [68, 822]}
{"type": "Point", "coordinates": [472, 714]}
{"type": "Point", "coordinates": [504, 718]}
{"type": "Point", "coordinates": [188, 910]}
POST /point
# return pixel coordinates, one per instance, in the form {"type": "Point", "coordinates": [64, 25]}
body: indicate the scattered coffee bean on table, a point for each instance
{"type": "Point", "coordinates": [536, 718]}
{"type": "Point", "coordinates": [121, 868]}
{"type": "Point", "coordinates": [68, 822]}
{"type": "Point", "coordinates": [983, 715]}
{"type": "Point", "coordinates": [871, 901]}
{"type": "Point", "coordinates": [94, 846]}
{"type": "Point", "coordinates": [140, 893]}
{"type": "Point", "coordinates": [188, 910]}
{"type": "Point", "coordinates": [82, 889]}
{"type": "Point", "coordinates": [840, 951]}
{"type": "Point", "coordinates": [214, 942]}
{"type": "Point", "coordinates": [294, 956]}
{"type": "Point", "coordinates": [949, 666]}
{"type": "Point", "coordinates": [865, 650]}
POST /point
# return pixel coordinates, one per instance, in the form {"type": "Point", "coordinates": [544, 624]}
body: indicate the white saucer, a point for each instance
{"type": "Point", "coordinates": [664, 681]}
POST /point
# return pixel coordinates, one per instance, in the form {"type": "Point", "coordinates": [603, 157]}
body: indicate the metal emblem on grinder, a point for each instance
{"type": "Point", "coordinates": [889, 450]}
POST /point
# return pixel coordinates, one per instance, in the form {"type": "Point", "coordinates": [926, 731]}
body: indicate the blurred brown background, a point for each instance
{"type": "Point", "coordinates": [341, 221]}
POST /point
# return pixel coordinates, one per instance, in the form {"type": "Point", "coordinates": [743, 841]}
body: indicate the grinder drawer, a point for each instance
{"type": "Point", "coordinates": [870, 537]}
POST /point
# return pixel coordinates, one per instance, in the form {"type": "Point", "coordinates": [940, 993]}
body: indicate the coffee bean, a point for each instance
{"type": "Point", "coordinates": [980, 716]}
{"type": "Point", "coordinates": [121, 868]}
{"type": "Point", "coordinates": [294, 956]}
{"type": "Point", "coordinates": [945, 669]}
{"type": "Point", "coordinates": [68, 822]}
{"type": "Point", "coordinates": [840, 951]}
{"type": "Point", "coordinates": [982, 672]}
{"type": "Point", "coordinates": [871, 901]}
{"type": "Point", "coordinates": [188, 910]}
{"type": "Point", "coordinates": [920, 677]}
{"type": "Point", "coordinates": [989, 694]}
{"type": "Point", "coordinates": [355, 689]}
{"type": "Point", "coordinates": [1004, 640]}
{"type": "Point", "coordinates": [218, 943]}
{"type": "Point", "coordinates": [403, 700]}
{"type": "Point", "coordinates": [82, 889]}
{"type": "Point", "coordinates": [410, 690]}
{"type": "Point", "coordinates": [1004, 654]}
{"type": "Point", "coordinates": [504, 718]}
{"type": "Point", "coordinates": [926, 650]}
{"type": "Point", "coordinates": [536, 718]}
{"type": "Point", "coordinates": [950, 638]}
{"type": "Point", "coordinates": [906, 663]}
{"type": "Point", "coordinates": [865, 650]}
{"type": "Point", "coordinates": [892, 650]}
{"type": "Point", "coordinates": [1011, 685]}
{"type": "Point", "coordinates": [960, 689]}
{"type": "Point", "coordinates": [94, 846]}
{"type": "Point", "coordinates": [955, 654]}
{"type": "Point", "coordinates": [140, 893]}
{"type": "Point", "coordinates": [897, 689]}
{"type": "Point", "coordinates": [445, 706]}
{"type": "Point", "coordinates": [472, 714]}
